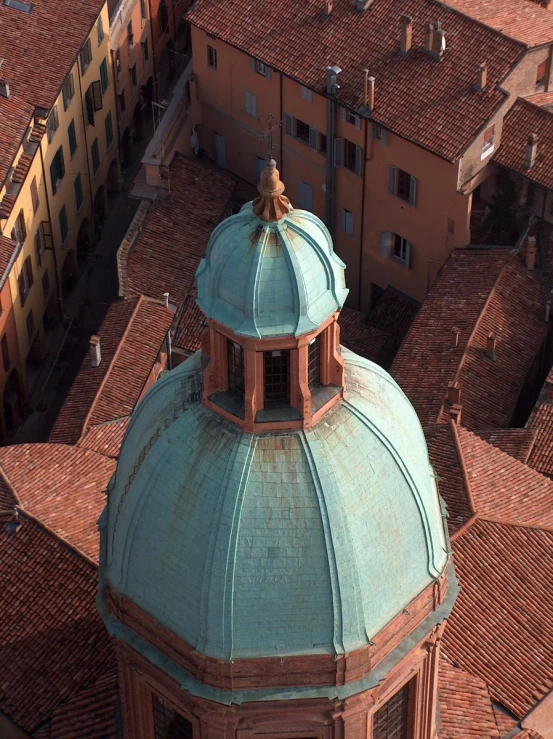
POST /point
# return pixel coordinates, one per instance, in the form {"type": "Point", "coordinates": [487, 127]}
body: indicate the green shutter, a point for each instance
{"type": "Point", "coordinates": [104, 81]}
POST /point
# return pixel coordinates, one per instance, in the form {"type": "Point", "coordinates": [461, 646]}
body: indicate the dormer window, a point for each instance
{"type": "Point", "coordinates": [277, 378]}
{"type": "Point", "coordinates": [314, 363]}
{"type": "Point", "coordinates": [235, 356]}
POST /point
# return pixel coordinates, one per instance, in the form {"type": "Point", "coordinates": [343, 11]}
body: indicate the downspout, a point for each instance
{"type": "Point", "coordinates": [85, 124]}
{"type": "Point", "coordinates": [332, 88]}
{"type": "Point", "coordinates": [58, 290]}
{"type": "Point", "coordinates": [365, 159]}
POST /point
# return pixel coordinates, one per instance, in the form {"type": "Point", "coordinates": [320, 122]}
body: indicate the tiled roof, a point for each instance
{"type": "Point", "coordinates": [91, 714]}
{"type": "Point", "coordinates": [523, 119]}
{"type": "Point", "coordinates": [358, 336]}
{"type": "Point", "coordinates": [504, 720]}
{"type": "Point", "coordinates": [475, 293]}
{"type": "Point", "coordinates": [188, 334]}
{"type": "Point", "coordinates": [545, 99]}
{"type": "Point", "coordinates": [16, 116]}
{"type": "Point", "coordinates": [394, 313]}
{"type": "Point", "coordinates": [106, 438]}
{"type": "Point", "coordinates": [8, 248]}
{"type": "Point", "coordinates": [131, 337]}
{"type": "Point", "coordinates": [52, 640]}
{"type": "Point", "coordinates": [501, 628]}
{"type": "Point", "coordinates": [63, 486]}
{"type": "Point", "coordinates": [541, 420]}
{"type": "Point", "coordinates": [526, 22]}
{"type": "Point", "coordinates": [173, 235]}
{"type": "Point", "coordinates": [465, 705]}
{"type": "Point", "coordinates": [424, 100]}
{"type": "Point", "coordinates": [516, 442]}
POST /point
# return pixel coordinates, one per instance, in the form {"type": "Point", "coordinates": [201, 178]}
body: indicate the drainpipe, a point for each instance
{"type": "Point", "coordinates": [363, 209]}
{"type": "Point", "coordinates": [332, 88]}
{"type": "Point", "coordinates": [85, 124]}
{"type": "Point", "coordinates": [58, 289]}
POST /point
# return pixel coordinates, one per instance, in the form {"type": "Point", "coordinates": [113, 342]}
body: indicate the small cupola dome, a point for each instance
{"type": "Point", "coordinates": [270, 270]}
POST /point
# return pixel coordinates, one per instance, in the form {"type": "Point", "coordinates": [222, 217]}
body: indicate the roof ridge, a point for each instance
{"type": "Point", "coordinates": [517, 524]}
{"type": "Point", "coordinates": [531, 103]}
{"type": "Point", "coordinates": [475, 328]}
{"type": "Point", "coordinates": [111, 364]}
{"type": "Point", "coordinates": [8, 482]}
{"type": "Point", "coordinates": [466, 482]}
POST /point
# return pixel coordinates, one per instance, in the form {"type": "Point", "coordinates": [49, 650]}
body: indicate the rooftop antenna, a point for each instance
{"type": "Point", "coordinates": [268, 134]}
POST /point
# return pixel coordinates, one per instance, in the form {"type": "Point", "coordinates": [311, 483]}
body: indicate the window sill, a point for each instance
{"type": "Point", "coordinates": [229, 402]}
{"type": "Point", "coordinates": [400, 261]}
{"type": "Point", "coordinates": [398, 197]}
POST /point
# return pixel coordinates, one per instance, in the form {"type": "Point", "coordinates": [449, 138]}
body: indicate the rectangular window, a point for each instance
{"type": "Point", "coordinates": [347, 222]}
{"type": "Point", "coordinates": [85, 56]}
{"type": "Point", "coordinates": [19, 230]}
{"type": "Point", "coordinates": [392, 720]}
{"type": "Point", "coordinates": [34, 195]}
{"type": "Point", "coordinates": [100, 30]}
{"type": "Point", "coordinates": [122, 104]}
{"type": "Point", "coordinates": [5, 353]}
{"type": "Point", "coordinates": [30, 324]}
{"type": "Point", "coordinates": [46, 285]}
{"type": "Point", "coordinates": [260, 68]}
{"type": "Point", "coordinates": [64, 228]}
{"type": "Point", "coordinates": [380, 133]}
{"type": "Point", "coordinates": [108, 124]}
{"type": "Point", "coordinates": [145, 50]}
{"type": "Point", "coordinates": [305, 196]}
{"type": "Point", "coordinates": [235, 356]}
{"type": "Point", "coordinates": [130, 37]}
{"type": "Point", "coordinates": [93, 100]}
{"type": "Point", "coordinates": [304, 132]}
{"type": "Point", "coordinates": [68, 91]}
{"type": "Point", "coordinates": [277, 378]}
{"type": "Point", "coordinates": [78, 187]}
{"type": "Point", "coordinates": [134, 78]}
{"type": "Point", "coordinates": [40, 245]}
{"type": "Point", "coordinates": [168, 724]}
{"type": "Point", "coordinates": [212, 57]}
{"type": "Point", "coordinates": [72, 137]}
{"type": "Point", "coordinates": [396, 247]}
{"type": "Point", "coordinates": [104, 78]}
{"type": "Point", "coordinates": [53, 123]}
{"type": "Point", "coordinates": [143, 14]}
{"type": "Point", "coordinates": [57, 169]}
{"type": "Point", "coordinates": [348, 155]}
{"type": "Point", "coordinates": [541, 73]}
{"type": "Point", "coordinates": [306, 94]}
{"type": "Point", "coordinates": [95, 151]}
{"type": "Point", "coordinates": [402, 185]}
{"type": "Point", "coordinates": [250, 104]}
{"type": "Point", "coordinates": [314, 363]}
{"type": "Point", "coordinates": [350, 117]}
{"type": "Point", "coordinates": [488, 142]}
{"type": "Point", "coordinates": [25, 280]}
{"type": "Point", "coordinates": [402, 248]}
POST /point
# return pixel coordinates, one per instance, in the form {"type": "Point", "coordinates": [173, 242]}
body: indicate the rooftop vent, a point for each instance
{"type": "Point", "coordinates": [19, 5]}
{"type": "Point", "coordinates": [531, 151]}
{"type": "Point", "coordinates": [481, 78]}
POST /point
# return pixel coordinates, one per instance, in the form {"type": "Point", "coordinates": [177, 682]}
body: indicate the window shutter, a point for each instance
{"type": "Point", "coordinates": [358, 161]}
{"type": "Point", "coordinates": [53, 177]}
{"type": "Point", "coordinates": [61, 163]}
{"type": "Point", "coordinates": [386, 243]}
{"type": "Point", "coordinates": [252, 64]}
{"type": "Point", "coordinates": [407, 254]}
{"type": "Point", "coordinates": [342, 114]}
{"type": "Point", "coordinates": [71, 84]}
{"type": "Point", "coordinates": [21, 285]}
{"type": "Point", "coordinates": [288, 124]}
{"type": "Point", "coordinates": [29, 270]}
{"type": "Point", "coordinates": [392, 180]}
{"type": "Point", "coordinates": [89, 108]}
{"type": "Point", "coordinates": [268, 72]}
{"type": "Point", "coordinates": [338, 152]}
{"type": "Point", "coordinates": [97, 95]}
{"type": "Point", "coordinates": [374, 131]}
{"type": "Point", "coordinates": [38, 249]}
{"type": "Point", "coordinates": [55, 119]}
{"type": "Point", "coordinates": [313, 138]}
{"type": "Point", "coordinates": [413, 191]}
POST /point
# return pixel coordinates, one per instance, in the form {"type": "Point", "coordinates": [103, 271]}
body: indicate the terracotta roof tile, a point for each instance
{"type": "Point", "coordinates": [63, 486]}
{"type": "Point", "coordinates": [359, 337]}
{"type": "Point", "coordinates": [516, 442]}
{"type": "Point", "coordinates": [523, 119]}
{"type": "Point", "coordinates": [504, 720]}
{"type": "Point", "coordinates": [106, 438]}
{"type": "Point", "coordinates": [394, 313]}
{"type": "Point", "coordinates": [16, 116]}
{"type": "Point", "coordinates": [131, 337]}
{"type": "Point", "coordinates": [528, 734]}
{"type": "Point", "coordinates": [174, 233]}
{"type": "Point", "coordinates": [188, 334]}
{"type": "Point", "coordinates": [465, 705]}
{"type": "Point", "coordinates": [545, 99]}
{"type": "Point", "coordinates": [541, 420]}
{"type": "Point", "coordinates": [428, 101]}
{"type": "Point", "coordinates": [475, 293]}
{"type": "Point", "coordinates": [526, 22]}
{"type": "Point", "coordinates": [52, 640]}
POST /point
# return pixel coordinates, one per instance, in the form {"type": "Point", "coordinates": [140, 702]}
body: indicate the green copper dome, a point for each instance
{"type": "Point", "coordinates": [297, 542]}
{"type": "Point", "coordinates": [277, 278]}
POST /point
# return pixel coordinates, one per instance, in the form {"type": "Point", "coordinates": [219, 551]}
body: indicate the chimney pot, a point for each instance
{"type": "Point", "coordinates": [531, 150]}
{"type": "Point", "coordinates": [328, 7]}
{"type": "Point", "coordinates": [491, 346]}
{"type": "Point", "coordinates": [453, 393]}
{"type": "Point", "coordinates": [95, 351]}
{"type": "Point", "coordinates": [531, 253]}
{"type": "Point", "coordinates": [454, 338]}
{"type": "Point", "coordinates": [166, 299]}
{"type": "Point", "coordinates": [481, 77]}
{"type": "Point", "coordinates": [4, 89]}
{"type": "Point", "coordinates": [370, 94]}
{"type": "Point", "coordinates": [428, 38]}
{"type": "Point", "coordinates": [406, 34]}
{"type": "Point", "coordinates": [455, 413]}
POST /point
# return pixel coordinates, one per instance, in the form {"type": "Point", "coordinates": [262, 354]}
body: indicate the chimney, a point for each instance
{"type": "Point", "coordinates": [406, 34]}
{"type": "Point", "coordinates": [328, 7]}
{"type": "Point", "coordinates": [455, 413]}
{"type": "Point", "coordinates": [491, 346]}
{"type": "Point", "coordinates": [95, 351]}
{"type": "Point", "coordinates": [481, 77]}
{"type": "Point", "coordinates": [332, 85]}
{"type": "Point", "coordinates": [4, 89]}
{"type": "Point", "coordinates": [531, 151]}
{"type": "Point", "coordinates": [531, 253]}
{"type": "Point", "coordinates": [438, 41]}
{"type": "Point", "coordinates": [453, 393]}
{"type": "Point", "coordinates": [166, 299]}
{"type": "Point", "coordinates": [454, 338]}
{"type": "Point", "coordinates": [428, 38]}
{"type": "Point", "coordinates": [370, 94]}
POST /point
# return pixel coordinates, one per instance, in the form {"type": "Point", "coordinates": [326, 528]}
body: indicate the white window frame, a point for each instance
{"type": "Point", "coordinates": [388, 245]}
{"type": "Point", "coordinates": [347, 222]}
{"type": "Point", "coordinates": [393, 183]}
{"type": "Point", "coordinates": [306, 94]}
{"type": "Point", "coordinates": [250, 103]}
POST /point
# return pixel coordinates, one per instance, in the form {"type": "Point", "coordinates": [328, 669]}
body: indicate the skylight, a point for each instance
{"type": "Point", "coordinates": [19, 5]}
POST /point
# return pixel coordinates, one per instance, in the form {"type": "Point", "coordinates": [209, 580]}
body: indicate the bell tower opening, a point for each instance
{"type": "Point", "coordinates": [235, 359]}
{"type": "Point", "coordinates": [393, 719]}
{"type": "Point", "coordinates": [168, 724]}
{"type": "Point", "coordinates": [277, 378]}
{"type": "Point", "coordinates": [314, 363]}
